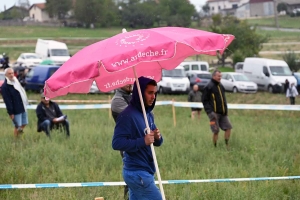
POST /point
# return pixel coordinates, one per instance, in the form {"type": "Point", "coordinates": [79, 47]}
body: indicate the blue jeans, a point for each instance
{"type": "Point", "coordinates": [141, 185]}
{"type": "Point", "coordinates": [20, 119]}
{"type": "Point", "coordinates": [46, 126]}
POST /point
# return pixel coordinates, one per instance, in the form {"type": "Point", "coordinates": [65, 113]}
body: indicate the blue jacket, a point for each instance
{"type": "Point", "coordinates": [12, 99]}
{"type": "Point", "coordinates": [130, 132]}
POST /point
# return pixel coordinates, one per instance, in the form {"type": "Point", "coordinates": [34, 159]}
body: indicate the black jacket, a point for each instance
{"type": "Point", "coordinates": [12, 99]}
{"type": "Point", "coordinates": [41, 114]}
{"type": "Point", "coordinates": [213, 98]}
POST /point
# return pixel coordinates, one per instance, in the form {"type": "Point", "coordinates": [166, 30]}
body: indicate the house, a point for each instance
{"type": "Point", "coordinates": [38, 13]}
{"type": "Point", "coordinates": [14, 12]}
{"type": "Point", "coordinates": [243, 12]}
{"type": "Point", "coordinates": [261, 8]}
{"type": "Point", "coordinates": [226, 7]}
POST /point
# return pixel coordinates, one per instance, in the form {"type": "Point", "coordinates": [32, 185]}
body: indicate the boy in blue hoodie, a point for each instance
{"type": "Point", "coordinates": [130, 136]}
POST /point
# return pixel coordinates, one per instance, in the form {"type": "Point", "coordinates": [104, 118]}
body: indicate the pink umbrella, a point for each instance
{"type": "Point", "coordinates": [119, 60]}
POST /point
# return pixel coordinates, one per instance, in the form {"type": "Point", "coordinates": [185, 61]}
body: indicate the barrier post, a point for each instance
{"type": "Point", "coordinates": [109, 109]}
{"type": "Point", "coordinates": [174, 113]}
{"type": "Point", "coordinates": [99, 198]}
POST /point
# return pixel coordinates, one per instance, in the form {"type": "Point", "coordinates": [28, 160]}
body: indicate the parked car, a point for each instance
{"type": "Point", "coordinates": [94, 89]}
{"type": "Point", "coordinates": [297, 76]}
{"type": "Point", "coordinates": [36, 77]}
{"type": "Point", "coordinates": [2, 79]}
{"type": "Point", "coordinates": [29, 59]}
{"type": "Point", "coordinates": [200, 78]}
{"type": "Point", "coordinates": [238, 82]}
{"type": "Point", "coordinates": [174, 81]}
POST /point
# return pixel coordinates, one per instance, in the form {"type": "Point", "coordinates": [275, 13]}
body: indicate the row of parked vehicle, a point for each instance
{"type": "Point", "coordinates": [251, 75]}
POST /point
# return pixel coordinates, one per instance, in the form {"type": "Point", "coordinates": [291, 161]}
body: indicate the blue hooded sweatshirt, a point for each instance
{"type": "Point", "coordinates": [130, 132]}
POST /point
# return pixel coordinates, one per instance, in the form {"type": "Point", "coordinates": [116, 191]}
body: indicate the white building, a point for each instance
{"type": "Point", "coordinates": [216, 6]}
{"type": "Point", "coordinates": [38, 13]}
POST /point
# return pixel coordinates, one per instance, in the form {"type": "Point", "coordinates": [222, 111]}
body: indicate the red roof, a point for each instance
{"type": "Point", "coordinates": [41, 6]}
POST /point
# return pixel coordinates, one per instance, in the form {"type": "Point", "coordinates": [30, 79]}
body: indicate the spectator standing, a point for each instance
{"type": "Point", "coordinates": [291, 93]}
{"type": "Point", "coordinates": [195, 96]}
{"type": "Point", "coordinates": [215, 105]}
{"type": "Point", "coordinates": [15, 100]}
{"type": "Point", "coordinates": [130, 136]}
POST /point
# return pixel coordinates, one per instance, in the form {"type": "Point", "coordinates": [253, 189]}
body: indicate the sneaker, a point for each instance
{"type": "Point", "coordinates": [20, 130]}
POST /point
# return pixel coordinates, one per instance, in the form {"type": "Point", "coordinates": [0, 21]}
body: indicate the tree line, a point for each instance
{"type": "Point", "coordinates": [131, 13]}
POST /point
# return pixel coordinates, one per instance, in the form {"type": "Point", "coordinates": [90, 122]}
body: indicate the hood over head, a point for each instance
{"type": "Point", "coordinates": [135, 101]}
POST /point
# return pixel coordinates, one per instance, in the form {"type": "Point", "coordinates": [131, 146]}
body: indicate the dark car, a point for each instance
{"type": "Point", "coordinates": [297, 76]}
{"type": "Point", "coordinates": [36, 77]}
{"type": "Point", "coordinates": [200, 78]}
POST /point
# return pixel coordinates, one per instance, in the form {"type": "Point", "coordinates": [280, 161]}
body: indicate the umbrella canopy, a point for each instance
{"type": "Point", "coordinates": [109, 61]}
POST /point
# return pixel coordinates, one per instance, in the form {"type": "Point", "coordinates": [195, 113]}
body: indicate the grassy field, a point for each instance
{"type": "Point", "coordinates": [283, 22]}
{"type": "Point", "coordinates": [23, 39]}
{"type": "Point", "coordinates": [263, 143]}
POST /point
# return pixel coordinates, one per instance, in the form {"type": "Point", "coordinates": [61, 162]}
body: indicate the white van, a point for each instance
{"type": "Point", "coordinates": [49, 49]}
{"type": "Point", "coordinates": [268, 74]}
{"type": "Point", "coordinates": [194, 66]}
{"type": "Point", "coordinates": [173, 81]}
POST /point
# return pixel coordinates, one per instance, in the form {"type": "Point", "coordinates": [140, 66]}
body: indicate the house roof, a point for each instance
{"type": "Point", "coordinates": [41, 6]}
{"type": "Point", "coordinates": [259, 1]}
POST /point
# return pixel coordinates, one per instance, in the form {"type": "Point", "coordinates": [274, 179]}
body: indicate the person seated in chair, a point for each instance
{"type": "Point", "coordinates": [50, 116]}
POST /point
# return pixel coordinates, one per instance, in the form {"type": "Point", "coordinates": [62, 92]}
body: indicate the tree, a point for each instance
{"type": "Point", "coordinates": [100, 12]}
{"type": "Point", "coordinates": [177, 12]}
{"type": "Point", "coordinates": [290, 58]}
{"type": "Point", "coordinates": [139, 14]}
{"type": "Point", "coordinates": [58, 8]}
{"type": "Point", "coordinates": [282, 7]}
{"type": "Point", "coordinates": [206, 9]}
{"type": "Point", "coordinates": [247, 41]}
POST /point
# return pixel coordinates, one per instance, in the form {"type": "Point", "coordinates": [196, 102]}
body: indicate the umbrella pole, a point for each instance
{"type": "Point", "coordinates": [148, 131]}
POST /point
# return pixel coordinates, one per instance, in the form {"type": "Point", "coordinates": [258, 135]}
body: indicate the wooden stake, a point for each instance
{"type": "Point", "coordinates": [99, 198]}
{"type": "Point", "coordinates": [109, 110]}
{"type": "Point", "coordinates": [174, 113]}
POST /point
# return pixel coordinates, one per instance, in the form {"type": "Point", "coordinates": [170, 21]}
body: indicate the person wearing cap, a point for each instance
{"type": "Point", "coordinates": [15, 100]}
{"type": "Point", "coordinates": [50, 116]}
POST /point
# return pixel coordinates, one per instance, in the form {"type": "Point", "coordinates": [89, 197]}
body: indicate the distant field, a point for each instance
{"type": "Point", "coordinates": [283, 22]}
{"type": "Point", "coordinates": [263, 143]}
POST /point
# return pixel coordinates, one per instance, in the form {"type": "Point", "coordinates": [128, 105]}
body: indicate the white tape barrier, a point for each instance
{"type": "Point", "coordinates": [180, 104]}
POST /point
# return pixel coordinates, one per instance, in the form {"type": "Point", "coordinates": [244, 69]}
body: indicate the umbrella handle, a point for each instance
{"type": "Point", "coordinates": [148, 131]}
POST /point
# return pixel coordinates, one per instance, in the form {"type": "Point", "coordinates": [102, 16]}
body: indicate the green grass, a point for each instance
{"type": "Point", "coordinates": [263, 143]}
{"type": "Point", "coordinates": [283, 22]}
{"type": "Point", "coordinates": [56, 32]}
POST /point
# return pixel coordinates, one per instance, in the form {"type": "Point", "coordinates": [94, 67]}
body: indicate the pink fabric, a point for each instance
{"type": "Point", "coordinates": [109, 62]}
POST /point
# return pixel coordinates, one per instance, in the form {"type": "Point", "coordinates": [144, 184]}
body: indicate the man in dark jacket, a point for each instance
{"type": "Point", "coordinates": [50, 116]}
{"type": "Point", "coordinates": [215, 105]}
{"type": "Point", "coordinates": [15, 100]}
{"type": "Point", "coordinates": [120, 100]}
{"type": "Point", "coordinates": [130, 136]}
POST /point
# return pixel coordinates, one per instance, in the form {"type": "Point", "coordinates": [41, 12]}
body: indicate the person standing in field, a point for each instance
{"type": "Point", "coordinates": [291, 93]}
{"type": "Point", "coordinates": [130, 136]}
{"type": "Point", "coordinates": [119, 102]}
{"type": "Point", "coordinates": [15, 100]}
{"type": "Point", "coordinates": [215, 105]}
{"type": "Point", "coordinates": [195, 96]}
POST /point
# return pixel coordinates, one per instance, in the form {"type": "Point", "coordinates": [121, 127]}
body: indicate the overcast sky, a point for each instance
{"type": "Point", "coordinates": [9, 3]}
